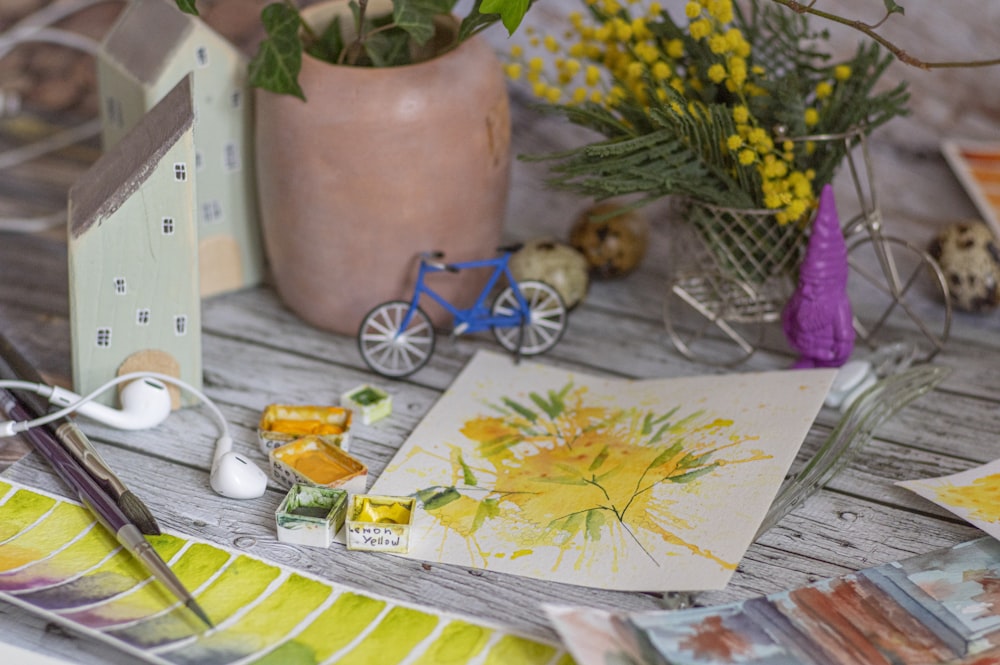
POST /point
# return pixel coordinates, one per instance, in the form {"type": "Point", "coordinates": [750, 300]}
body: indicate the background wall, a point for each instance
{"type": "Point", "coordinates": [945, 102]}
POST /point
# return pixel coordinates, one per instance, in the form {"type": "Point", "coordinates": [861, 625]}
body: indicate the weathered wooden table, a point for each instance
{"type": "Point", "coordinates": [257, 353]}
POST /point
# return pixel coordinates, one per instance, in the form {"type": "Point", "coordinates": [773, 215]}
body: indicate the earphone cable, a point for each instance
{"type": "Point", "coordinates": [10, 427]}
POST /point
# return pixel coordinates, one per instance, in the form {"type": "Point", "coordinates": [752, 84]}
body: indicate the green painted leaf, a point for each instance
{"type": "Point", "coordinates": [570, 524]}
{"type": "Point", "coordinates": [521, 410]}
{"type": "Point", "coordinates": [435, 498]}
{"type": "Point", "coordinates": [666, 454]}
{"type": "Point", "coordinates": [691, 460]}
{"type": "Point", "coordinates": [278, 61]}
{"type": "Point", "coordinates": [691, 475]}
{"type": "Point", "coordinates": [468, 477]}
{"type": "Point", "coordinates": [511, 11]}
{"type": "Point", "coordinates": [498, 445]}
{"type": "Point", "coordinates": [600, 459]}
{"type": "Point", "coordinates": [596, 521]}
{"type": "Point", "coordinates": [564, 480]}
{"type": "Point", "coordinates": [187, 6]}
{"type": "Point", "coordinates": [487, 508]}
{"type": "Point", "coordinates": [551, 409]}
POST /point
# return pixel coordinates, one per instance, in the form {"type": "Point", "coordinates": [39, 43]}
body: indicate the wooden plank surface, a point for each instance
{"type": "Point", "coordinates": [257, 353]}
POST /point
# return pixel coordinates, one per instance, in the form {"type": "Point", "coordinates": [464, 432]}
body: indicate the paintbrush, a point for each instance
{"type": "Point", "coordinates": [104, 508]}
{"type": "Point", "coordinates": [76, 442]}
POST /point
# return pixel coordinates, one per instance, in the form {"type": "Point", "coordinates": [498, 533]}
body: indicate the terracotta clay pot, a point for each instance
{"type": "Point", "coordinates": [375, 167]}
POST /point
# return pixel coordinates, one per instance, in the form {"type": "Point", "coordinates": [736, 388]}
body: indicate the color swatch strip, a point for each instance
{"type": "Point", "coordinates": [56, 561]}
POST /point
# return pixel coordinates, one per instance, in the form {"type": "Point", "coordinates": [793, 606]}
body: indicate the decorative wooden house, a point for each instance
{"type": "Point", "coordinates": [134, 300]}
{"type": "Point", "coordinates": [150, 48]}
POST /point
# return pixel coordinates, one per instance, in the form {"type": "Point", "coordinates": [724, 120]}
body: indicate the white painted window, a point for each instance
{"type": "Point", "coordinates": [231, 156]}
{"type": "Point", "coordinates": [180, 325]}
{"type": "Point", "coordinates": [113, 112]}
{"type": "Point", "coordinates": [180, 171]}
{"type": "Point", "coordinates": [120, 286]}
{"type": "Point", "coordinates": [167, 226]}
{"type": "Point", "coordinates": [104, 337]}
{"type": "Point", "coordinates": [211, 211]}
{"type": "Point", "coordinates": [142, 316]}
{"type": "Point", "coordinates": [201, 56]}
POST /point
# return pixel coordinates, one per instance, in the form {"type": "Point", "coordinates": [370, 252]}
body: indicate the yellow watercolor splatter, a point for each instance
{"type": "Point", "coordinates": [981, 498]}
{"type": "Point", "coordinates": [561, 472]}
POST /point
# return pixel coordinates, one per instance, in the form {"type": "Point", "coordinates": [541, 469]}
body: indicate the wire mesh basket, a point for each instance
{"type": "Point", "coordinates": [750, 245]}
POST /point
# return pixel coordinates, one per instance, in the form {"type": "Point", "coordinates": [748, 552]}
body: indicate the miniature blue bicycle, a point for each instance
{"type": "Point", "coordinates": [396, 338]}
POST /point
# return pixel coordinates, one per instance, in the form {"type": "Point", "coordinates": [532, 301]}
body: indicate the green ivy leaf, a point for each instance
{"type": "Point", "coordinates": [330, 44]}
{"type": "Point", "coordinates": [388, 49]}
{"type": "Point", "coordinates": [187, 6]}
{"type": "Point", "coordinates": [279, 59]}
{"type": "Point", "coordinates": [416, 17]}
{"type": "Point", "coordinates": [893, 8]}
{"type": "Point", "coordinates": [511, 11]}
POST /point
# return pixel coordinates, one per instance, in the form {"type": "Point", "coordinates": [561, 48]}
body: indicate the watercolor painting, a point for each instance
{"type": "Point", "coordinates": [973, 494]}
{"type": "Point", "coordinates": [644, 485]}
{"type": "Point", "coordinates": [934, 608]}
{"type": "Point", "coordinates": [977, 165]}
{"type": "Point", "coordinates": [57, 562]}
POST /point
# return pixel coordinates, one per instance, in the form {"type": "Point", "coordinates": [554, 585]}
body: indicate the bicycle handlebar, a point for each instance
{"type": "Point", "coordinates": [431, 259]}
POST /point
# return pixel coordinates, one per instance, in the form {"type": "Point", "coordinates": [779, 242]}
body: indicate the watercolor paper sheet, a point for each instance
{"type": "Point", "coordinates": [645, 485]}
{"type": "Point", "coordinates": [57, 562]}
{"type": "Point", "coordinates": [977, 165]}
{"type": "Point", "coordinates": [973, 495]}
{"type": "Point", "coordinates": [940, 607]}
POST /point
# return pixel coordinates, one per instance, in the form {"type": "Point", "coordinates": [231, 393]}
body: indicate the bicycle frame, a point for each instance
{"type": "Point", "coordinates": [477, 317]}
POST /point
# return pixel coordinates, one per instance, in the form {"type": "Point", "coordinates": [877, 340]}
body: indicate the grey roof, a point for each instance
{"type": "Point", "coordinates": [120, 171]}
{"type": "Point", "coordinates": [145, 35]}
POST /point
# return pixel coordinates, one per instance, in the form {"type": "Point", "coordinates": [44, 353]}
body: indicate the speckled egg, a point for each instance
{"type": "Point", "coordinates": [557, 264]}
{"type": "Point", "coordinates": [613, 246]}
{"type": "Point", "coordinates": [969, 256]}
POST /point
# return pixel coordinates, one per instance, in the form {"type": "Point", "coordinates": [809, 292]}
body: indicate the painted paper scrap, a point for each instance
{"type": "Point", "coordinates": [57, 562]}
{"type": "Point", "coordinates": [631, 485]}
{"type": "Point", "coordinates": [977, 165]}
{"type": "Point", "coordinates": [931, 609]}
{"type": "Point", "coordinates": [973, 495]}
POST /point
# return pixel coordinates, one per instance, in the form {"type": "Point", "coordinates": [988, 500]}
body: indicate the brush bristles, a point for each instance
{"type": "Point", "coordinates": [138, 513]}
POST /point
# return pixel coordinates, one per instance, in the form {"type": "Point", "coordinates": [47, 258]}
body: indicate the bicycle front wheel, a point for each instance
{"type": "Point", "coordinates": [390, 350]}
{"type": "Point", "coordinates": [544, 324]}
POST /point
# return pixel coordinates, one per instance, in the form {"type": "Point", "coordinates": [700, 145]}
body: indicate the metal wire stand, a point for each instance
{"type": "Point", "coordinates": [734, 269]}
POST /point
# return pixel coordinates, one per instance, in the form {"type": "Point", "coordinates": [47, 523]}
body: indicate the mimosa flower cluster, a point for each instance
{"type": "Point", "coordinates": [701, 98]}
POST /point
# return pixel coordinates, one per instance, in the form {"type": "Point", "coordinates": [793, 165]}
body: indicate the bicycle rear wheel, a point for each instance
{"type": "Point", "coordinates": [390, 350]}
{"type": "Point", "coordinates": [542, 328]}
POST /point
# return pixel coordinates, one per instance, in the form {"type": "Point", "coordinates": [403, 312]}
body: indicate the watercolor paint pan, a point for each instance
{"type": "Point", "coordinates": [281, 424]}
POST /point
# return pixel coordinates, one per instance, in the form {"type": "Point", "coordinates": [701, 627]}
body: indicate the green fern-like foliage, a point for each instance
{"type": "Point", "coordinates": [661, 138]}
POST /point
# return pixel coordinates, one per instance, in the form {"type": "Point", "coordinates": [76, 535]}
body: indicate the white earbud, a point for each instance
{"type": "Point", "coordinates": [233, 475]}
{"type": "Point", "coordinates": [145, 403]}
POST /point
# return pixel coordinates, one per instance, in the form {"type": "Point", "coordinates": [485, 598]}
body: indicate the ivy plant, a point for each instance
{"type": "Point", "coordinates": [401, 37]}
